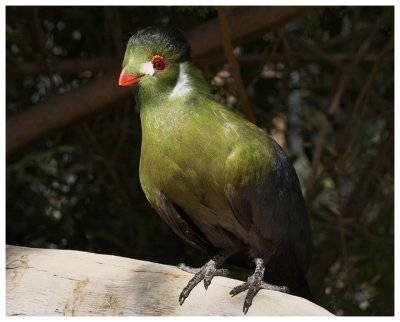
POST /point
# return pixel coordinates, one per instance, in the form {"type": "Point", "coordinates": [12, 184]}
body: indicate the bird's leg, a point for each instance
{"type": "Point", "coordinates": [205, 273]}
{"type": "Point", "coordinates": [254, 284]}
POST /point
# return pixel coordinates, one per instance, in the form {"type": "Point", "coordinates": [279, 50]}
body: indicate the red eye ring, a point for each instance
{"type": "Point", "coordinates": [159, 63]}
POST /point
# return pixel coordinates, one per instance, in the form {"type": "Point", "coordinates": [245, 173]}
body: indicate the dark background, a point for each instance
{"type": "Point", "coordinates": [320, 79]}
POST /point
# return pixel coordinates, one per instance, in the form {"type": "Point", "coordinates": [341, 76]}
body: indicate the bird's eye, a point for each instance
{"type": "Point", "coordinates": [159, 63]}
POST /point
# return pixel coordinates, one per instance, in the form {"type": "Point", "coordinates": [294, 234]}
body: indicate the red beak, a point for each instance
{"type": "Point", "coordinates": [125, 79]}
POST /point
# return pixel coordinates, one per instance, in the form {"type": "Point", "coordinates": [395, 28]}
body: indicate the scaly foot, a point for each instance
{"type": "Point", "coordinates": [205, 273]}
{"type": "Point", "coordinates": [254, 284]}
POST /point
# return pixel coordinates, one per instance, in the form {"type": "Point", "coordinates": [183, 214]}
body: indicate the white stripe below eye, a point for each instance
{"type": "Point", "coordinates": [182, 84]}
{"type": "Point", "coordinates": [147, 68]}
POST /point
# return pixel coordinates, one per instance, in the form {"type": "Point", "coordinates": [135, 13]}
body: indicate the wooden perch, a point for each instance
{"type": "Point", "coordinates": [62, 282]}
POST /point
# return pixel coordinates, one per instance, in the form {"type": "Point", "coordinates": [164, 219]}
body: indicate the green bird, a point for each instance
{"type": "Point", "coordinates": [220, 182]}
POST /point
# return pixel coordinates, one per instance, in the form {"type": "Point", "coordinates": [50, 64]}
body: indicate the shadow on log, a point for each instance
{"type": "Point", "coordinates": [49, 282]}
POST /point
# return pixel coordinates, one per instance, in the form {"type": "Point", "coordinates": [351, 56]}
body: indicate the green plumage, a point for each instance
{"type": "Point", "coordinates": [192, 145]}
{"type": "Point", "coordinates": [218, 180]}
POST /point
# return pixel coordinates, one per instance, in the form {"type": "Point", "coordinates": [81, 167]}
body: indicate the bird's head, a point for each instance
{"type": "Point", "coordinates": [153, 55]}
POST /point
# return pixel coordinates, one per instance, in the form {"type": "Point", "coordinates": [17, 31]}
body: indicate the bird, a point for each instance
{"type": "Point", "coordinates": [219, 181]}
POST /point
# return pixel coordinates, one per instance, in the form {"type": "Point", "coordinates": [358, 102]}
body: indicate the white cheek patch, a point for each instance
{"type": "Point", "coordinates": [182, 85]}
{"type": "Point", "coordinates": [147, 68]}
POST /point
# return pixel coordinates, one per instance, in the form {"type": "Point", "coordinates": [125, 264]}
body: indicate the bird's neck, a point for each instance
{"type": "Point", "coordinates": [188, 83]}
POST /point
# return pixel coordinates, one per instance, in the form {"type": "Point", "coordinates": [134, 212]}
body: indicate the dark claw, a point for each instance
{"type": "Point", "coordinates": [253, 290]}
{"type": "Point", "coordinates": [207, 281]}
{"type": "Point", "coordinates": [205, 273]}
{"type": "Point", "coordinates": [185, 293]}
{"type": "Point", "coordinates": [254, 284]}
{"type": "Point", "coordinates": [182, 298]}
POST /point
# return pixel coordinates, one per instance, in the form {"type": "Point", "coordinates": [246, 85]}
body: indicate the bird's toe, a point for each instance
{"type": "Point", "coordinates": [188, 269]}
{"type": "Point", "coordinates": [222, 272]}
{"type": "Point", "coordinates": [206, 273]}
{"type": "Point", "coordinates": [239, 289]}
{"type": "Point", "coordinates": [272, 287]}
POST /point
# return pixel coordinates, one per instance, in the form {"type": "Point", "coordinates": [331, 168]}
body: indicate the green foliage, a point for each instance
{"type": "Point", "coordinates": [79, 188]}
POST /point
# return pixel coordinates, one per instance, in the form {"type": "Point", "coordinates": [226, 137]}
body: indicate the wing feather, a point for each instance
{"type": "Point", "coordinates": [275, 207]}
{"type": "Point", "coordinates": [180, 222]}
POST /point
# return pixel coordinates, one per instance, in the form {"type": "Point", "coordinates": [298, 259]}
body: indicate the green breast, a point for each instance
{"type": "Point", "coordinates": [192, 149]}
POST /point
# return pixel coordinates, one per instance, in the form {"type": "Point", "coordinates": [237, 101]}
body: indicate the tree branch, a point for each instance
{"type": "Point", "coordinates": [230, 56]}
{"type": "Point", "coordinates": [62, 110]}
{"type": "Point", "coordinates": [63, 67]}
{"type": "Point", "coordinates": [315, 178]}
{"type": "Point", "coordinates": [245, 24]}
{"type": "Point", "coordinates": [76, 66]}
{"type": "Point", "coordinates": [59, 111]}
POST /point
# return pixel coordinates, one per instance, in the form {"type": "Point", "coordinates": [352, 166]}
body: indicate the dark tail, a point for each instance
{"type": "Point", "coordinates": [291, 277]}
{"type": "Point", "coordinates": [300, 287]}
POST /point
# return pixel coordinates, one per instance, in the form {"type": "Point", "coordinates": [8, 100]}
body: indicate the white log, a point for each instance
{"type": "Point", "coordinates": [50, 282]}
